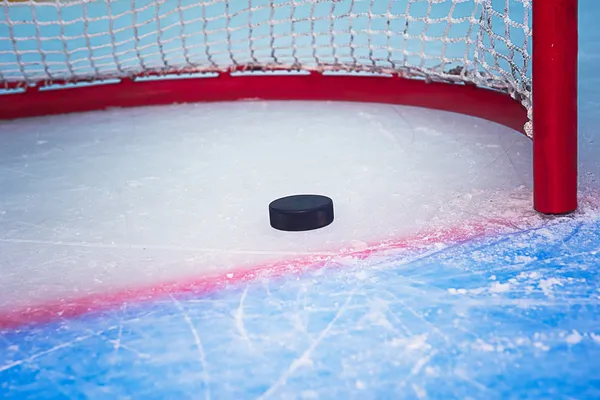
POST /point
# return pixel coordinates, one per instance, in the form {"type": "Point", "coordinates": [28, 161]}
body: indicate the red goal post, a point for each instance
{"type": "Point", "coordinates": [80, 55]}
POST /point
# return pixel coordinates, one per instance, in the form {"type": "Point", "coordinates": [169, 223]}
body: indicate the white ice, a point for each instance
{"type": "Point", "coordinates": [120, 198]}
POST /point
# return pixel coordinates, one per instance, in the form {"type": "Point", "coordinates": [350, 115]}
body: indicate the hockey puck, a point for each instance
{"type": "Point", "coordinates": [303, 212]}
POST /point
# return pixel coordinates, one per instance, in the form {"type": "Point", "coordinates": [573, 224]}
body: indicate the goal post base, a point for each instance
{"type": "Point", "coordinates": [465, 99]}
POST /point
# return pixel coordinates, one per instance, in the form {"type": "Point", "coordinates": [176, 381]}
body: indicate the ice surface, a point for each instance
{"type": "Point", "coordinates": [509, 316]}
{"type": "Point", "coordinates": [94, 202]}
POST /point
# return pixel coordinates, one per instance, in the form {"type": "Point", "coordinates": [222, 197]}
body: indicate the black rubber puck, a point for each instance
{"type": "Point", "coordinates": [303, 212]}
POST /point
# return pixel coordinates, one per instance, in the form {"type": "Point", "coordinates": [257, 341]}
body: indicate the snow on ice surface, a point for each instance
{"type": "Point", "coordinates": [502, 316]}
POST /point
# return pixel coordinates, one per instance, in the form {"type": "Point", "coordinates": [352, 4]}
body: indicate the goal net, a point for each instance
{"type": "Point", "coordinates": [483, 43]}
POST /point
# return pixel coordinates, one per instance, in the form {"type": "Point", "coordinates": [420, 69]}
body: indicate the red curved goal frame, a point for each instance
{"type": "Point", "coordinates": [554, 73]}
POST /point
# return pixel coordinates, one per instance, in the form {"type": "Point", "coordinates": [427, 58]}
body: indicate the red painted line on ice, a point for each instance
{"type": "Point", "coordinates": [52, 311]}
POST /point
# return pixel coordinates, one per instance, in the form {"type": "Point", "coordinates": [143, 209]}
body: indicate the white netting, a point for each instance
{"type": "Point", "coordinates": [485, 42]}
